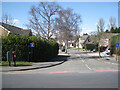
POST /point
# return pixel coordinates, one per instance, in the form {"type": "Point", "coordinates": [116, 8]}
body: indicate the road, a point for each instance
{"type": "Point", "coordinates": [79, 71]}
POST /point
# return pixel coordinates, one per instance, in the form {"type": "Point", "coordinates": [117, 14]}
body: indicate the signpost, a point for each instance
{"type": "Point", "coordinates": [117, 45]}
{"type": "Point", "coordinates": [32, 45]}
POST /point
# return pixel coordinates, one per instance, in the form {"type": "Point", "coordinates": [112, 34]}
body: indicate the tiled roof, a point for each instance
{"type": "Point", "coordinates": [108, 35]}
{"type": "Point", "coordinates": [15, 29]}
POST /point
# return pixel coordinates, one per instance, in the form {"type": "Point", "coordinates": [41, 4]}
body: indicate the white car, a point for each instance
{"type": "Point", "coordinates": [107, 51]}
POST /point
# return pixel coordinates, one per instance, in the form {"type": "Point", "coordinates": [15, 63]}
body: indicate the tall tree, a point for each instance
{"type": "Point", "coordinates": [67, 23]}
{"type": "Point", "coordinates": [100, 29]}
{"type": "Point", "coordinates": [101, 25]}
{"type": "Point", "coordinates": [112, 22]}
{"type": "Point", "coordinates": [7, 19]}
{"type": "Point", "coordinates": [112, 30]}
{"type": "Point", "coordinates": [43, 18]}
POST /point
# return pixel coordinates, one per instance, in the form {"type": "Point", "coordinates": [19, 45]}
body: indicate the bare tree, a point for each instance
{"type": "Point", "coordinates": [7, 19]}
{"type": "Point", "coordinates": [100, 29]}
{"type": "Point", "coordinates": [43, 18]}
{"type": "Point", "coordinates": [101, 25]}
{"type": "Point", "coordinates": [112, 22]}
{"type": "Point", "coordinates": [67, 24]}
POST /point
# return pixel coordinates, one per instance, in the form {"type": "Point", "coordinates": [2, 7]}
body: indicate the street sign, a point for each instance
{"type": "Point", "coordinates": [32, 44]}
{"type": "Point", "coordinates": [117, 44]}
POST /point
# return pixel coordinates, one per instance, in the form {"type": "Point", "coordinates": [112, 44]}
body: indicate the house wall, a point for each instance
{"type": "Point", "coordinates": [79, 43]}
{"type": "Point", "coordinates": [105, 42]}
{"type": "Point", "coordinates": [3, 32]}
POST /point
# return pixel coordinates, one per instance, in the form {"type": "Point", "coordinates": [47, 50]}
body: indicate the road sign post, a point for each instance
{"type": "Point", "coordinates": [32, 45]}
{"type": "Point", "coordinates": [117, 45]}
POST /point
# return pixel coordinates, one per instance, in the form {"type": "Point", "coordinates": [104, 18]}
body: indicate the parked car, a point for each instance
{"type": "Point", "coordinates": [107, 51]}
{"type": "Point", "coordinates": [63, 49]}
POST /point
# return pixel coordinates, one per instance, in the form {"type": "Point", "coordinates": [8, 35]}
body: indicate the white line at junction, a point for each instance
{"type": "Point", "coordinates": [88, 67]}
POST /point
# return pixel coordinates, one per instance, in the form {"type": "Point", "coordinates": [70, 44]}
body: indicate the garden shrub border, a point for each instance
{"type": "Point", "coordinates": [44, 49]}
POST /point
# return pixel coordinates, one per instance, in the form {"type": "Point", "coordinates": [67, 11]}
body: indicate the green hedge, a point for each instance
{"type": "Point", "coordinates": [90, 46]}
{"type": "Point", "coordinates": [43, 50]}
{"type": "Point", "coordinates": [114, 40]}
{"type": "Point", "coordinates": [102, 48]}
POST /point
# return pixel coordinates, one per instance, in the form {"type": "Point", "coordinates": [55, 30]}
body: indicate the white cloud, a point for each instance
{"type": "Point", "coordinates": [13, 21]}
{"type": "Point", "coordinates": [87, 30]}
{"type": "Point", "coordinates": [96, 24]}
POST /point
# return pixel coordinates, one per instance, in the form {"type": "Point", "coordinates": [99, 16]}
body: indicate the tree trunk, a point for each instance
{"type": "Point", "coordinates": [99, 51]}
{"type": "Point", "coordinates": [66, 43]}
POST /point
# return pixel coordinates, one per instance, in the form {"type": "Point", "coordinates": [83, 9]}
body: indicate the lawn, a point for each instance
{"type": "Point", "coordinates": [73, 48]}
{"type": "Point", "coordinates": [18, 63]}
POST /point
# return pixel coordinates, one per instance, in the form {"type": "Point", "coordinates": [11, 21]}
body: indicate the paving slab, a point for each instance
{"type": "Point", "coordinates": [61, 58]}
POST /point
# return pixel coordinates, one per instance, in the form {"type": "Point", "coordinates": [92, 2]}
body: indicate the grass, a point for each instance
{"type": "Point", "coordinates": [18, 63]}
{"type": "Point", "coordinates": [73, 48]}
{"type": "Point", "coordinates": [77, 48]}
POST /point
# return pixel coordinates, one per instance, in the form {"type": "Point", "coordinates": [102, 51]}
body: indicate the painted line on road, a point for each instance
{"type": "Point", "coordinates": [61, 72]}
{"type": "Point", "coordinates": [88, 67]}
{"type": "Point", "coordinates": [103, 70]}
{"type": "Point", "coordinates": [83, 61]}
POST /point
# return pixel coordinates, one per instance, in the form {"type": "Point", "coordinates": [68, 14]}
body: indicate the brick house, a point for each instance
{"type": "Point", "coordinates": [3, 31]}
{"type": "Point", "coordinates": [105, 39]}
{"type": "Point", "coordinates": [6, 29]}
{"type": "Point", "coordinates": [81, 41]}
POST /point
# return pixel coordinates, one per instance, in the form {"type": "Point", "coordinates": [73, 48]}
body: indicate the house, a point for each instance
{"type": "Point", "coordinates": [6, 29]}
{"type": "Point", "coordinates": [81, 41]}
{"type": "Point", "coordinates": [105, 39]}
{"type": "Point", "coordinates": [3, 31]}
{"type": "Point", "coordinates": [72, 41]}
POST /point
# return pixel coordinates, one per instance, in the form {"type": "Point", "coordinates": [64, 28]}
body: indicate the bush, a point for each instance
{"type": "Point", "coordinates": [90, 46]}
{"type": "Point", "coordinates": [43, 50]}
{"type": "Point", "coordinates": [114, 40]}
{"type": "Point", "coordinates": [102, 48]}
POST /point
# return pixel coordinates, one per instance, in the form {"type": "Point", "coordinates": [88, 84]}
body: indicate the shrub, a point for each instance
{"type": "Point", "coordinates": [102, 48]}
{"type": "Point", "coordinates": [114, 40]}
{"type": "Point", "coordinates": [90, 46]}
{"type": "Point", "coordinates": [43, 50]}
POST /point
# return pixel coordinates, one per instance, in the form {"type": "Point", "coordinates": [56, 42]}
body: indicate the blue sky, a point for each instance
{"type": "Point", "coordinates": [90, 12]}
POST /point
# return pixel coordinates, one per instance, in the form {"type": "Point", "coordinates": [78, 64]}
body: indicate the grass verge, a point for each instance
{"type": "Point", "coordinates": [77, 48]}
{"type": "Point", "coordinates": [18, 63]}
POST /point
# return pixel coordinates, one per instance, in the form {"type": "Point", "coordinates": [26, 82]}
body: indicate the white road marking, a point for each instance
{"type": "Point", "coordinates": [88, 67]}
{"type": "Point", "coordinates": [83, 61]}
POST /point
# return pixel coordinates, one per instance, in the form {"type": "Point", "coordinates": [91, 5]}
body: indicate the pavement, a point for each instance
{"type": "Point", "coordinates": [61, 58]}
{"type": "Point", "coordinates": [106, 59]}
